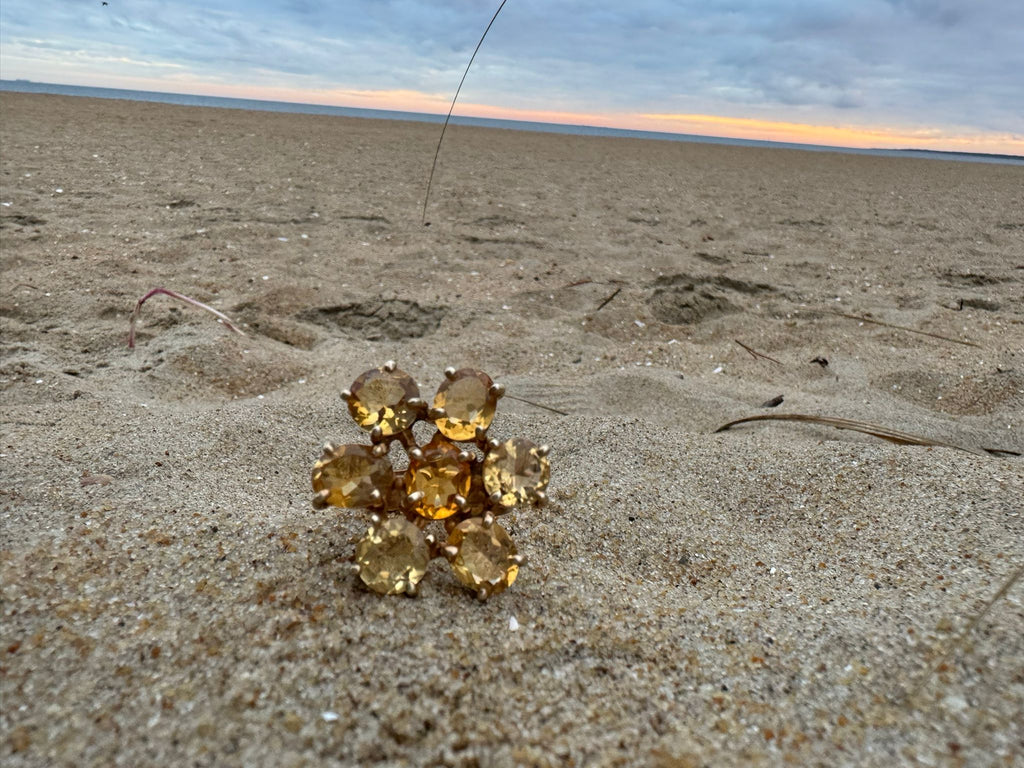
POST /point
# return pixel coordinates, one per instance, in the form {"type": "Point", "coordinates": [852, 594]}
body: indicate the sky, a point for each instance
{"type": "Point", "coordinates": [925, 74]}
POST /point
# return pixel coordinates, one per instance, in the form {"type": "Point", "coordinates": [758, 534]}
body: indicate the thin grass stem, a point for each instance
{"type": "Point", "coordinates": [433, 167]}
{"type": "Point", "coordinates": [180, 297]}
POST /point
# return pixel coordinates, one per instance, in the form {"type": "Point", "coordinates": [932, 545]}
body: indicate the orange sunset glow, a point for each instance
{"type": "Point", "coordinates": [856, 136]}
{"type": "Point", "coordinates": [803, 74]}
{"type": "Point", "coordinates": [402, 100]}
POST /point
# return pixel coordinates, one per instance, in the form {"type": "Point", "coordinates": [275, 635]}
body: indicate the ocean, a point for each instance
{"type": "Point", "coordinates": [27, 86]}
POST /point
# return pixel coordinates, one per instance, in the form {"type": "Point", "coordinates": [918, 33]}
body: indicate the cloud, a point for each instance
{"type": "Point", "coordinates": [909, 62]}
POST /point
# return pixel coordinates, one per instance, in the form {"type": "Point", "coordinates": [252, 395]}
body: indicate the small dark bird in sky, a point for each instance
{"type": "Point", "coordinates": [105, 2]}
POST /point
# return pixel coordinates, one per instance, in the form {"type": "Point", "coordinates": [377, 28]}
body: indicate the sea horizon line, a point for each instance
{"type": "Point", "coordinates": [21, 85]}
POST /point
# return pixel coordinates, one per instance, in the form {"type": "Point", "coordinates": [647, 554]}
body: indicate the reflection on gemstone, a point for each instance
{"type": "Point", "coordinates": [439, 476]}
{"type": "Point", "coordinates": [350, 474]}
{"type": "Point", "coordinates": [485, 557]}
{"type": "Point", "coordinates": [517, 471]}
{"type": "Point", "coordinates": [381, 397]}
{"type": "Point", "coordinates": [392, 556]}
{"type": "Point", "coordinates": [468, 403]}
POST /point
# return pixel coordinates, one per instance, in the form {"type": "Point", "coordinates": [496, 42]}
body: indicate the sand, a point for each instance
{"type": "Point", "coordinates": [776, 593]}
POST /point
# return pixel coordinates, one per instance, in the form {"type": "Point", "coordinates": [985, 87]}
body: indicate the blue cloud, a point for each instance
{"type": "Point", "coordinates": [917, 61]}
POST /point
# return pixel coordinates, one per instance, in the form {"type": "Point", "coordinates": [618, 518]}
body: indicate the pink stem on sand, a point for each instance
{"type": "Point", "coordinates": [181, 297]}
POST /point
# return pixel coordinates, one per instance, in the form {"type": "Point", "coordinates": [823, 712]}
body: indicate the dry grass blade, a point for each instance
{"type": "Point", "coordinates": [536, 405]}
{"type": "Point", "coordinates": [876, 430]}
{"type": "Point", "coordinates": [448, 117]}
{"type": "Point", "coordinates": [608, 299]}
{"type": "Point", "coordinates": [961, 639]}
{"type": "Point", "coordinates": [863, 319]}
{"type": "Point", "coordinates": [180, 297]}
{"type": "Point", "coordinates": [755, 354]}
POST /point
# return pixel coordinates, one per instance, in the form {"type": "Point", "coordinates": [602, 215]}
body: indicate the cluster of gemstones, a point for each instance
{"type": "Point", "coordinates": [461, 478]}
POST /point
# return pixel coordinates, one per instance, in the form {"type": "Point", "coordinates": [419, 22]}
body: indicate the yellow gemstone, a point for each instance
{"type": "Point", "coordinates": [382, 397]}
{"type": "Point", "coordinates": [468, 403]}
{"type": "Point", "coordinates": [440, 477]}
{"type": "Point", "coordinates": [517, 471]}
{"type": "Point", "coordinates": [485, 556]}
{"type": "Point", "coordinates": [392, 556]}
{"type": "Point", "coordinates": [350, 474]}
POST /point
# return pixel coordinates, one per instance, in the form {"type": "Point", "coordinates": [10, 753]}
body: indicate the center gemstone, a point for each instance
{"type": "Point", "coordinates": [439, 476]}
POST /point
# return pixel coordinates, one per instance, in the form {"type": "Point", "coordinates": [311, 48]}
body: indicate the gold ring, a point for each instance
{"type": "Point", "coordinates": [461, 478]}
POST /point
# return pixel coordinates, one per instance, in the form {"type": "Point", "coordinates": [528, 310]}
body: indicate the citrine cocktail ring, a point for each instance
{"type": "Point", "coordinates": [461, 478]}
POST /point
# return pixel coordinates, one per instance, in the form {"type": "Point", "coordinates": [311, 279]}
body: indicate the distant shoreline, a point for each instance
{"type": "Point", "coordinates": [28, 86]}
{"type": "Point", "coordinates": [996, 157]}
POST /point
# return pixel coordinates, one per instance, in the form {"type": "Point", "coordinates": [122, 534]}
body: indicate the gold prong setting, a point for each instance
{"type": "Point", "coordinates": [462, 478]}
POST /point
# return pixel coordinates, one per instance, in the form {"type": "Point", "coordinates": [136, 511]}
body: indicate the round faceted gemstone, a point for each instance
{"type": "Point", "coordinates": [350, 474]}
{"type": "Point", "coordinates": [485, 556]}
{"type": "Point", "coordinates": [516, 470]}
{"type": "Point", "coordinates": [392, 556]}
{"type": "Point", "coordinates": [381, 397]}
{"type": "Point", "coordinates": [468, 403]}
{"type": "Point", "coordinates": [439, 476]}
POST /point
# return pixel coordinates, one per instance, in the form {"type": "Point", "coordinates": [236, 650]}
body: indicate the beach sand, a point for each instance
{"type": "Point", "coordinates": [779, 592]}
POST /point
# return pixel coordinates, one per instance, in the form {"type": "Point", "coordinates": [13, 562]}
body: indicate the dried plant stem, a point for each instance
{"type": "Point", "coordinates": [608, 299]}
{"type": "Point", "coordinates": [962, 638]}
{"type": "Point", "coordinates": [181, 297]}
{"type": "Point", "coordinates": [536, 405]}
{"type": "Point", "coordinates": [863, 319]}
{"type": "Point", "coordinates": [448, 117]}
{"type": "Point", "coordinates": [893, 435]}
{"type": "Point", "coordinates": [755, 354]}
